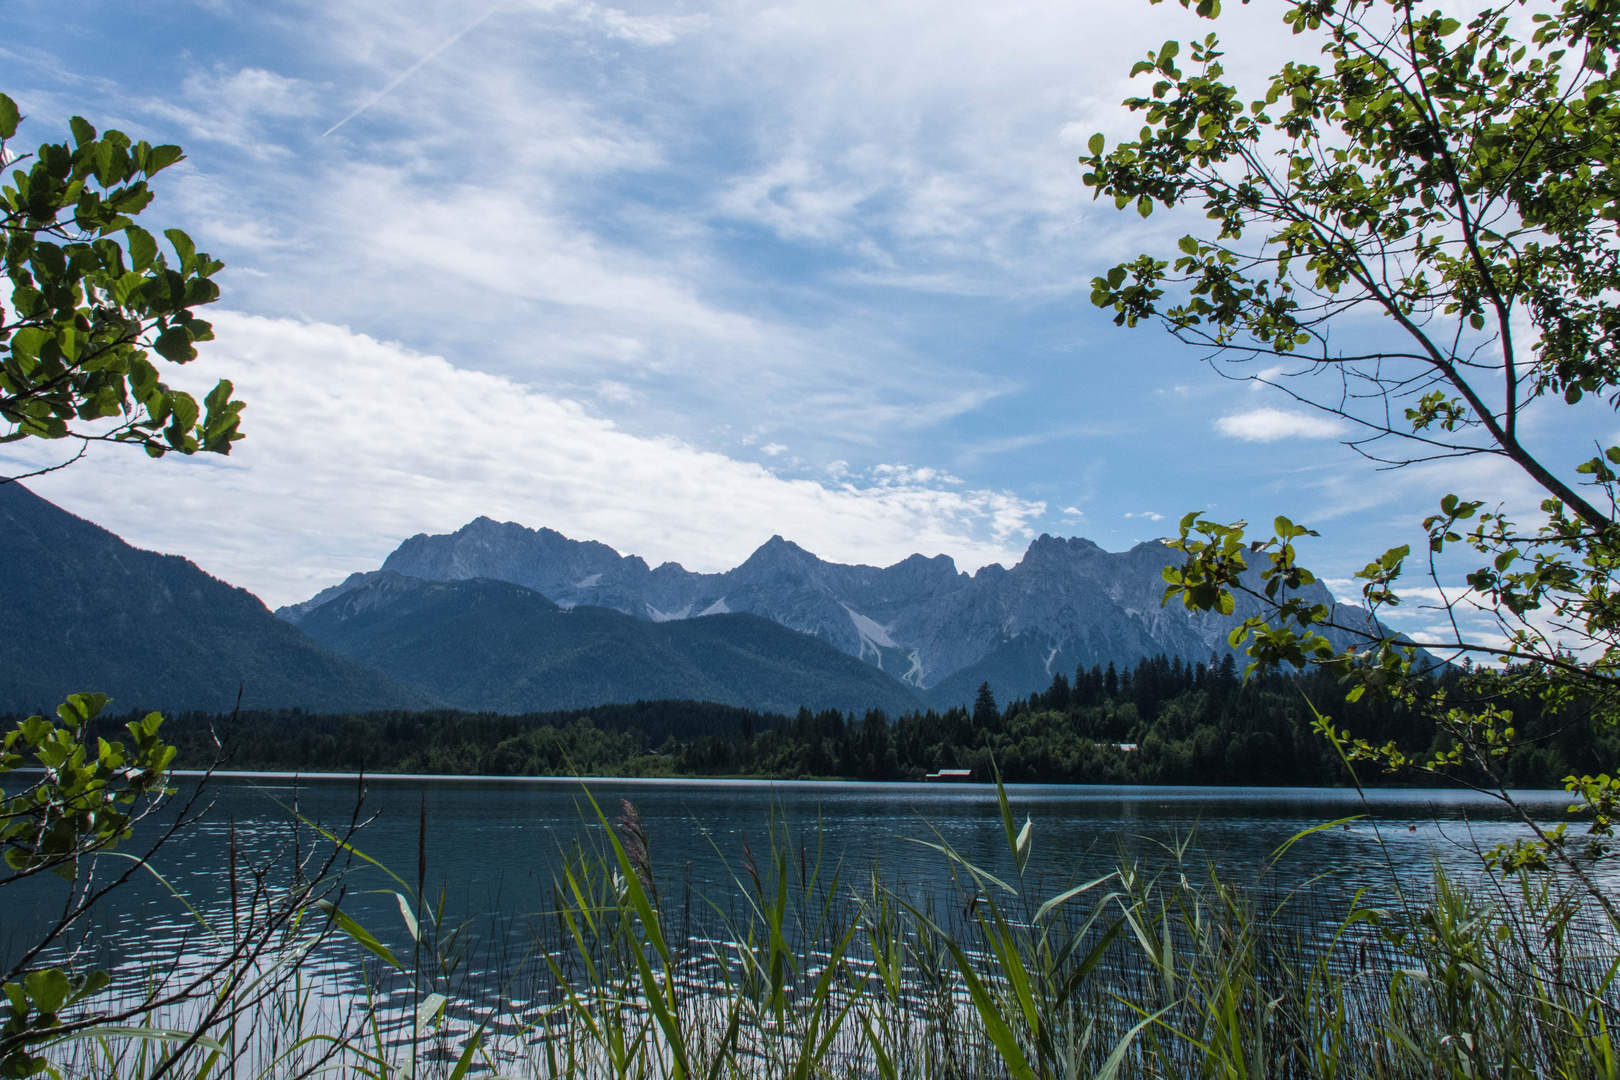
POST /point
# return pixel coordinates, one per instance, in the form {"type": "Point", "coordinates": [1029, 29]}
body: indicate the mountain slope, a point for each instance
{"type": "Point", "coordinates": [482, 644]}
{"type": "Point", "coordinates": [86, 611]}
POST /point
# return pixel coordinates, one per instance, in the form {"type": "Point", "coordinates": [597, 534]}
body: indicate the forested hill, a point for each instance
{"type": "Point", "coordinates": [1188, 724]}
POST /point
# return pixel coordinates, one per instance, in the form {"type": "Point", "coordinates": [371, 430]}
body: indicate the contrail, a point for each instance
{"type": "Point", "coordinates": [412, 70]}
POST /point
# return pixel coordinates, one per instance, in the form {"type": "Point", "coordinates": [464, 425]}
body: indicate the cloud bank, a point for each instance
{"type": "Point", "coordinates": [354, 444]}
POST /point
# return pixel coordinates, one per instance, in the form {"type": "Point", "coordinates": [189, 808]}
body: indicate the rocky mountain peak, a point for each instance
{"type": "Point", "coordinates": [1047, 550]}
{"type": "Point", "coordinates": [777, 553]}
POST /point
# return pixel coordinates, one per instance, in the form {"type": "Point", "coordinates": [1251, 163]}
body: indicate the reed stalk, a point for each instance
{"type": "Point", "coordinates": [802, 967]}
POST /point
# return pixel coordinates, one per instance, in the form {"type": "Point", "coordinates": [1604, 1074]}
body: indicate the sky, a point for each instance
{"type": "Point", "coordinates": [679, 277]}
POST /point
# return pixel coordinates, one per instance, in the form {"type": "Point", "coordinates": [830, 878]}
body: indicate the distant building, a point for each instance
{"type": "Point", "coordinates": [951, 776]}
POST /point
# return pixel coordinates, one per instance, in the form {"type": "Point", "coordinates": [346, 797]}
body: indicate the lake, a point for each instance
{"type": "Point", "coordinates": [493, 843]}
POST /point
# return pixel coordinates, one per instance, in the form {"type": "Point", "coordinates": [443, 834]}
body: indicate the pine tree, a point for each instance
{"type": "Point", "coordinates": [1058, 696]}
{"type": "Point", "coordinates": [985, 710]}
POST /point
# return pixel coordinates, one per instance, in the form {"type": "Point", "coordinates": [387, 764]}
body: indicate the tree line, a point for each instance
{"type": "Point", "coordinates": [1165, 721]}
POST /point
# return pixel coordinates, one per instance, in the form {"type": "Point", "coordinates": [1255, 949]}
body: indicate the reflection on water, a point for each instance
{"type": "Point", "coordinates": [493, 844]}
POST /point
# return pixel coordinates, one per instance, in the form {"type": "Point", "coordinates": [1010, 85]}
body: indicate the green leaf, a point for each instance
{"type": "Point", "coordinates": [218, 397]}
{"type": "Point", "coordinates": [1282, 849]}
{"type": "Point", "coordinates": [428, 1011]}
{"type": "Point", "coordinates": [360, 934]}
{"type": "Point", "coordinates": [149, 1034]}
{"type": "Point", "coordinates": [1069, 894]}
{"type": "Point", "coordinates": [1096, 144]}
{"type": "Point", "coordinates": [93, 983]}
{"type": "Point", "coordinates": [9, 117]}
{"type": "Point", "coordinates": [161, 157]}
{"type": "Point", "coordinates": [183, 247]}
{"type": "Point", "coordinates": [1012, 1055]}
{"type": "Point", "coordinates": [47, 989]}
{"type": "Point", "coordinates": [175, 344]}
{"type": "Point", "coordinates": [465, 1061]}
{"type": "Point", "coordinates": [185, 411]}
{"type": "Point", "coordinates": [142, 248]}
{"type": "Point", "coordinates": [1110, 1068]}
{"type": "Point", "coordinates": [83, 132]}
{"type": "Point", "coordinates": [886, 1069]}
{"type": "Point", "coordinates": [1007, 820]}
{"type": "Point", "coordinates": [80, 709]}
{"type": "Point", "coordinates": [409, 917]}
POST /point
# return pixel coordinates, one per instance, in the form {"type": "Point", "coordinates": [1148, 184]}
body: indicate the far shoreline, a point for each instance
{"type": "Point", "coordinates": [1388, 794]}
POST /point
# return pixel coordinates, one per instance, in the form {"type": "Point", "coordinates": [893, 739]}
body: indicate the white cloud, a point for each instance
{"type": "Point", "coordinates": [1073, 511]}
{"type": "Point", "coordinates": [772, 449]}
{"type": "Point", "coordinates": [901, 475]}
{"type": "Point", "coordinates": [1148, 514]}
{"type": "Point", "coordinates": [235, 108]}
{"type": "Point", "coordinates": [700, 220]}
{"type": "Point", "coordinates": [795, 199]}
{"type": "Point", "coordinates": [612, 390]}
{"type": "Point", "coordinates": [937, 144]}
{"type": "Point", "coordinates": [355, 444]}
{"type": "Point", "coordinates": [642, 29]}
{"type": "Point", "coordinates": [1269, 425]}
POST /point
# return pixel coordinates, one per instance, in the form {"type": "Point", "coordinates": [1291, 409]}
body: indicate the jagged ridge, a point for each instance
{"type": "Point", "coordinates": [1067, 602]}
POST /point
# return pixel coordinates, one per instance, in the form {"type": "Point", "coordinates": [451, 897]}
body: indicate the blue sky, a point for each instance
{"type": "Point", "coordinates": [677, 276]}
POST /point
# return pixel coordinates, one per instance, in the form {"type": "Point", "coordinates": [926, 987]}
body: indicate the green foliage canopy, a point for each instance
{"type": "Point", "coordinates": [1456, 178]}
{"type": "Point", "coordinates": [93, 298]}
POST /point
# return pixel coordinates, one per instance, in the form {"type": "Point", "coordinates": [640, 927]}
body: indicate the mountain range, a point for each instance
{"type": "Point", "coordinates": [501, 618]}
{"type": "Point", "coordinates": [86, 611]}
{"type": "Point", "coordinates": [939, 631]}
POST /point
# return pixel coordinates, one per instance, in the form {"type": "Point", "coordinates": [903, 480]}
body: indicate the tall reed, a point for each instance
{"type": "Point", "coordinates": [803, 966]}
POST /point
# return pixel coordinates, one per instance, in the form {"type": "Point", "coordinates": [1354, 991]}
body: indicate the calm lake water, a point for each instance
{"type": "Point", "coordinates": [495, 843]}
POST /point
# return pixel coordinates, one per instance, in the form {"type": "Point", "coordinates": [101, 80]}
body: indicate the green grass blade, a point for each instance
{"type": "Point", "coordinates": [1116, 1057]}
{"type": "Point", "coordinates": [886, 1070]}
{"type": "Point", "coordinates": [1012, 1055]}
{"type": "Point", "coordinates": [1069, 894]}
{"type": "Point", "coordinates": [1282, 849]}
{"type": "Point", "coordinates": [465, 1061]}
{"type": "Point", "coordinates": [359, 933]}
{"type": "Point", "coordinates": [145, 1034]}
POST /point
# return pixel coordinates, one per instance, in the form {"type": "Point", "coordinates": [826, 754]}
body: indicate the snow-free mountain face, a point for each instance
{"type": "Point", "coordinates": [493, 646]}
{"type": "Point", "coordinates": [85, 610]}
{"type": "Point", "coordinates": [1066, 603]}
